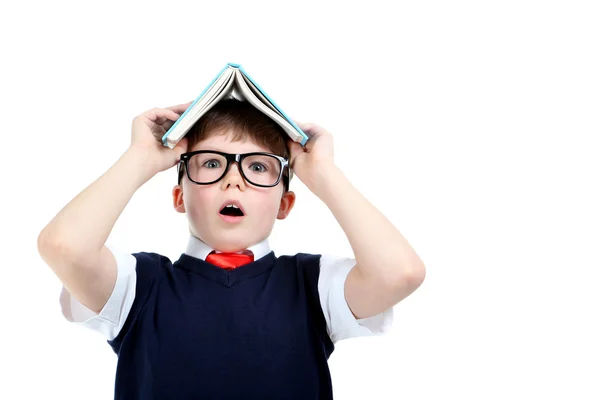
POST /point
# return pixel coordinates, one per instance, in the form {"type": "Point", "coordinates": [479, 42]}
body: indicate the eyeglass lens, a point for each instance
{"type": "Point", "coordinates": [258, 169]}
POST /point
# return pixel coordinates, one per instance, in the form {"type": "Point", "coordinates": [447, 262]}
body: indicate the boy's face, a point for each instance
{"type": "Point", "coordinates": [203, 203]}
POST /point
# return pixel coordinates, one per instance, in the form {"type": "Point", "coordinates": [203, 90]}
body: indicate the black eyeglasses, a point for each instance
{"type": "Point", "coordinates": [204, 167]}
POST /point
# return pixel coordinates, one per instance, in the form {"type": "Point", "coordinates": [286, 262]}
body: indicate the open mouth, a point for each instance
{"type": "Point", "coordinates": [232, 210]}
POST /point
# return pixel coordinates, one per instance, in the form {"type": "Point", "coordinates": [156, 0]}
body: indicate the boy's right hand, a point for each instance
{"type": "Point", "coordinates": [147, 130]}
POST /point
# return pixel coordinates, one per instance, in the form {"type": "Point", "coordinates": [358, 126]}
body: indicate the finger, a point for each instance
{"type": "Point", "coordinates": [301, 125]}
{"type": "Point", "coordinates": [181, 147]}
{"type": "Point", "coordinates": [167, 125]}
{"type": "Point", "coordinates": [180, 108]}
{"type": "Point", "coordinates": [310, 128]}
{"type": "Point", "coordinates": [158, 132]}
{"type": "Point", "coordinates": [295, 150]}
{"type": "Point", "coordinates": [306, 125]}
{"type": "Point", "coordinates": [162, 114]}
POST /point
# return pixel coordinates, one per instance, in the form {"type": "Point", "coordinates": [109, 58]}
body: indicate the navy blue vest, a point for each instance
{"type": "Point", "coordinates": [197, 331]}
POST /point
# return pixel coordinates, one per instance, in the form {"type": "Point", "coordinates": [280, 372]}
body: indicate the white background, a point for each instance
{"type": "Point", "coordinates": [473, 126]}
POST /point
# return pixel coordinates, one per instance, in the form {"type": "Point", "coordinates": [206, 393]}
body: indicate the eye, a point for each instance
{"type": "Point", "coordinates": [211, 164]}
{"type": "Point", "coordinates": [258, 167]}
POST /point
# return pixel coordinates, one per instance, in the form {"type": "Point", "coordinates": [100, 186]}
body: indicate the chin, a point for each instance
{"type": "Point", "coordinates": [230, 244]}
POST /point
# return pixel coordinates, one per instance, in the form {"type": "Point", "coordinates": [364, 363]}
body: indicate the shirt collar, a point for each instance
{"type": "Point", "coordinates": [198, 249]}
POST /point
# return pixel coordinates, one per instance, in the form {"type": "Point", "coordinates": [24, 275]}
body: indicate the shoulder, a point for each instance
{"type": "Point", "coordinates": [151, 258]}
{"type": "Point", "coordinates": [151, 264]}
{"type": "Point", "coordinates": [324, 259]}
{"type": "Point", "coordinates": [341, 322]}
{"type": "Point", "coordinates": [306, 265]}
{"type": "Point", "coordinates": [300, 259]}
{"type": "Point", "coordinates": [135, 274]}
{"type": "Point", "coordinates": [333, 271]}
{"type": "Point", "coordinates": [149, 268]}
{"type": "Point", "coordinates": [326, 266]}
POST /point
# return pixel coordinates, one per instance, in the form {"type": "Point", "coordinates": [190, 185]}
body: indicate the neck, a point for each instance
{"type": "Point", "coordinates": [199, 249]}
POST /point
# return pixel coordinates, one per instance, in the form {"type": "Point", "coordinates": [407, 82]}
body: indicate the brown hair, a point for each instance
{"type": "Point", "coordinates": [246, 122]}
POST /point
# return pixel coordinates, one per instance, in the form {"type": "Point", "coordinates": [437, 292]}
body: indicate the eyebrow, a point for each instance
{"type": "Point", "coordinates": [210, 148]}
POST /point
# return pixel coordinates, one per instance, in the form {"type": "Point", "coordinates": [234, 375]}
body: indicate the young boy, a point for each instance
{"type": "Point", "coordinates": [228, 319]}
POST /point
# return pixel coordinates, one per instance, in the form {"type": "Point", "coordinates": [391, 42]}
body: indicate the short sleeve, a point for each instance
{"type": "Point", "coordinates": [341, 323]}
{"type": "Point", "coordinates": [113, 315]}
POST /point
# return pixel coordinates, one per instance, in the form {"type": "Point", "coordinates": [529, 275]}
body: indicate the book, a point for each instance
{"type": "Point", "coordinates": [232, 82]}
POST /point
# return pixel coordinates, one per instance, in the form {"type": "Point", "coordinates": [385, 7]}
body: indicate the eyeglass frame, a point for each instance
{"type": "Point", "coordinates": [185, 157]}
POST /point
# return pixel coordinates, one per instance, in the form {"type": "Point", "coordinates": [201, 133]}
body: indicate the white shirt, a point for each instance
{"type": "Point", "coordinates": [341, 323]}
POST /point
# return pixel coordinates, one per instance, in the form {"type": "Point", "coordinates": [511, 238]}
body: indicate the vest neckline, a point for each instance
{"type": "Point", "coordinates": [223, 276]}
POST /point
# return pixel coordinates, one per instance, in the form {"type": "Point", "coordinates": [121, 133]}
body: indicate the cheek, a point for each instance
{"type": "Point", "coordinates": [197, 203]}
{"type": "Point", "coordinates": [268, 206]}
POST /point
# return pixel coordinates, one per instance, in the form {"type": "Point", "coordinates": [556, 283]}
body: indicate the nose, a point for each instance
{"type": "Point", "coordinates": [233, 178]}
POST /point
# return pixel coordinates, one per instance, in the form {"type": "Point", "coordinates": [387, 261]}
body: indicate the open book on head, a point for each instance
{"type": "Point", "coordinates": [232, 82]}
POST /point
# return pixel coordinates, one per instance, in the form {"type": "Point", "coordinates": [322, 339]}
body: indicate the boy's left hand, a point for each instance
{"type": "Point", "coordinates": [311, 162]}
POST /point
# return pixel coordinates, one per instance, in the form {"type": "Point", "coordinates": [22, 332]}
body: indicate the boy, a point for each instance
{"type": "Point", "coordinates": [228, 319]}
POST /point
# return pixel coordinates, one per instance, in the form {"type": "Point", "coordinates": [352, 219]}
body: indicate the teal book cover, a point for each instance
{"type": "Point", "coordinates": [302, 137]}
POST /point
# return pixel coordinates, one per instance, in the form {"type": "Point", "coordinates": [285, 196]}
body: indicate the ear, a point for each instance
{"type": "Point", "coordinates": [287, 203]}
{"type": "Point", "coordinates": [178, 199]}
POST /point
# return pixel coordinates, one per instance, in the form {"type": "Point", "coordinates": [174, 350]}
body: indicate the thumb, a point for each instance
{"type": "Point", "coordinates": [295, 150]}
{"type": "Point", "coordinates": [180, 148]}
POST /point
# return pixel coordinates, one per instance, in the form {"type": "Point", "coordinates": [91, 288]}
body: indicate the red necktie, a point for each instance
{"type": "Point", "coordinates": [229, 261]}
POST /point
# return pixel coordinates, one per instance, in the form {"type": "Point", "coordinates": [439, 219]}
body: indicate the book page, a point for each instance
{"type": "Point", "coordinates": [266, 108]}
{"type": "Point", "coordinates": [258, 94]}
{"type": "Point", "coordinates": [265, 99]}
{"type": "Point", "coordinates": [221, 87]}
{"type": "Point", "coordinates": [214, 94]}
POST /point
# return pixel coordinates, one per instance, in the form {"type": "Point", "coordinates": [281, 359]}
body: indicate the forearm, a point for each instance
{"type": "Point", "coordinates": [380, 250]}
{"type": "Point", "coordinates": [84, 224]}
